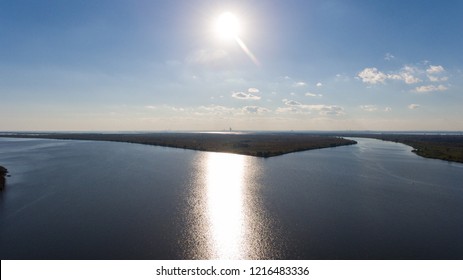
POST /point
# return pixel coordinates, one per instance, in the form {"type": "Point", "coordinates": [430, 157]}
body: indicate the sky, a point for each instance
{"type": "Point", "coordinates": [128, 65]}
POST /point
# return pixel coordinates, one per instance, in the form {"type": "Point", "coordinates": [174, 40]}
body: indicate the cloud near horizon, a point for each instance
{"type": "Point", "coordinates": [245, 96]}
{"type": "Point", "coordinates": [297, 107]}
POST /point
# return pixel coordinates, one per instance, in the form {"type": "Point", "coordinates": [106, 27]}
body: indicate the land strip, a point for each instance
{"type": "Point", "coordinates": [437, 146]}
{"type": "Point", "coordinates": [252, 144]}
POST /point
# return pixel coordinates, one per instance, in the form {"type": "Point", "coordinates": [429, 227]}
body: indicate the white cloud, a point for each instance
{"type": "Point", "coordinates": [434, 69]}
{"type": "Point", "coordinates": [319, 84]}
{"type": "Point", "coordinates": [332, 110]}
{"type": "Point", "coordinates": [408, 78]}
{"type": "Point", "coordinates": [369, 108]}
{"type": "Point", "coordinates": [413, 106]}
{"type": "Point", "coordinates": [430, 88]}
{"type": "Point", "coordinates": [406, 74]}
{"type": "Point", "coordinates": [435, 73]}
{"type": "Point", "coordinates": [245, 95]}
{"type": "Point", "coordinates": [297, 107]}
{"type": "Point", "coordinates": [255, 110]}
{"type": "Point", "coordinates": [214, 110]}
{"type": "Point", "coordinates": [387, 109]}
{"type": "Point", "coordinates": [284, 110]}
{"type": "Point", "coordinates": [291, 102]}
{"type": "Point", "coordinates": [372, 76]}
{"type": "Point", "coordinates": [253, 90]}
{"type": "Point", "coordinates": [437, 79]}
{"type": "Point", "coordinates": [299, 84]}
{"type": "Point", "coordinates": [313, 94]}
{"type": "Point", "coordinates": [151, 107]}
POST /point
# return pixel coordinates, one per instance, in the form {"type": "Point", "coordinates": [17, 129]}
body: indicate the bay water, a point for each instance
{"type": "Point", "coordinates": [103, 200]}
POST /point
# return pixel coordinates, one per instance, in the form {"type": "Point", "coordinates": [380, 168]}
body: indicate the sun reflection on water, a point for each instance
{"type": "Point", "coordinates": [225, 217]}
{"type": "Point", "coordinates": [225, 205]}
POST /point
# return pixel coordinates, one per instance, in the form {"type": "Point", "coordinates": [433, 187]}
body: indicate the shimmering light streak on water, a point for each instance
{"type": "Point", "coordinates": [225, 205]}
{"type": "Point", "coordinates": [225, 217]}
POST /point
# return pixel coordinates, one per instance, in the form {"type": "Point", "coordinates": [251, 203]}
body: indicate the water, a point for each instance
{"type": "Point", "coordinates": [103, 200]}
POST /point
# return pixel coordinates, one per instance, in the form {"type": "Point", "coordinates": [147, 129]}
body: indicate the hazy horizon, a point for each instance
{"type": "Point", "coordinates": [276, 66]}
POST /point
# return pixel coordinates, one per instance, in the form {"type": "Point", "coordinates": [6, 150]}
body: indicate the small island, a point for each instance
{"type": "Point", "coordinates": [251, 144]}
{"type": "Point", "coordinates": [3, 172]}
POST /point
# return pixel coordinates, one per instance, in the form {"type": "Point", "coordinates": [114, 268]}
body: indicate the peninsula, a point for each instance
{"type": "Point", "coordinates": [251, 144]}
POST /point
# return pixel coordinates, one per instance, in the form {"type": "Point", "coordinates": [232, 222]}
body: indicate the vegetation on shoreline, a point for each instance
{"type": "Point", "coordinates": [252, 144]}
{"type": "Point", "coordinates": [444, 147]}
{"type": "Point", "coordinates": [3, 172]}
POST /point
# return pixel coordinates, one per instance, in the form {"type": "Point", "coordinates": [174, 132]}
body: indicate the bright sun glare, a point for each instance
{"type": "Point", "coordinates": [227, 26]}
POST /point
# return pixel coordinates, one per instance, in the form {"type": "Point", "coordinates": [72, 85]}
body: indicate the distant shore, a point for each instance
{"type": "Point", "coordinates": [3, 172]}
{"type": "Point", "coordinates": [251, 144]}
{"type": "Point", "coordinates": [446, 147]}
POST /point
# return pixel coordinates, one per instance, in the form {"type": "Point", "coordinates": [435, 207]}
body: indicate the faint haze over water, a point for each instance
{"type": "Point", "coordinates": [100, 200]}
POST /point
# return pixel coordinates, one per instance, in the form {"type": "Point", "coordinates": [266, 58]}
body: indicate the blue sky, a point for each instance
{"type": "Point", "coordinates": [159, 65]}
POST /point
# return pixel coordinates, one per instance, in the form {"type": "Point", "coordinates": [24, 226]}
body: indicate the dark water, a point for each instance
{"type": "Point", "coordinates": [100, 200]}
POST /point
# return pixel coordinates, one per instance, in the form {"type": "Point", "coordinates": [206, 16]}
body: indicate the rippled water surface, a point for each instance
{"type": "Point", "coordinates": [103, 200]}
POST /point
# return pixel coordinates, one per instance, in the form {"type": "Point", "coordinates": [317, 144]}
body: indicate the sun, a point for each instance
{"type": "Point", "coordinates": [227, 26]}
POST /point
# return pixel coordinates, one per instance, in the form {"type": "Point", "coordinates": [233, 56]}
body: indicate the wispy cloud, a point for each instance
{"type": "Point", "coordinates": [369, 108]}
{"type": "Point", "coordinates": [245, 95]}
{"type": "Point", "coordinates": [436, 73]}
{"type": "Point", "coordinates": [331, 110]}
{"type": "Point", "coordinates": [291, 102]}
{"type": "Point", "coordinates": [299, 84]}
{"type": "Point", "coordinates": [374, 108]}
{"type": "Point", "coordinates": [313, 94]}
{"type": "Point", "coordinates": [214, 110]}
{"type": "Point", "coordinates": [388, 57]}
{"type": "Point", "coordinates": [434, 69]}
{"type": "Point", "coordinates": [414, 106]}
{"type": "Point", "coordinates": [435, 79]}
{"type": "Point", "coordinates": [407, 75]}
{"type": "Point", "coordinates": [297, 107]}
{"type": "Point", "coordinates": [253, 90]}
{"type": "Point", "coordinates": [319, 84]}
{"type": "Point", "coordinates": [255, 110]}
{"type": "Point", "coordinates": [430, 88]}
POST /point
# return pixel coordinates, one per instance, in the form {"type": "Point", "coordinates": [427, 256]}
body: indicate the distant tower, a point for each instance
{"type": "Point", "coordinates": [230, 129]}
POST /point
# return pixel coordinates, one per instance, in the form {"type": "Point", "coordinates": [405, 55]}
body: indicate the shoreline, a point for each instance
{"type": "Point", "coordinates": [251, 144]}
{"type": "Point", "coordinates": [447, 147]}
{"type": "Point", "coordinates": [443, 147]}
{"type": "Point", "coordinates": [3, 172]}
